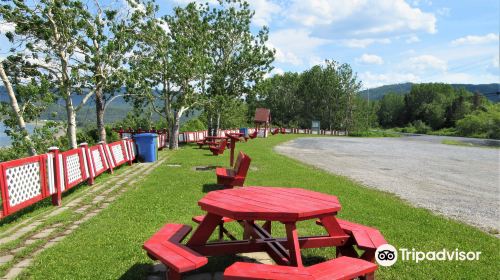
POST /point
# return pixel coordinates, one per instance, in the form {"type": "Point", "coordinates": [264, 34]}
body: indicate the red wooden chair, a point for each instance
{"type": "Point", "coordinates": [254, 134]}
{"type": "Point", "coordinates": [219, 149]}
{"type": "Point", "coordinates": [231, 177]}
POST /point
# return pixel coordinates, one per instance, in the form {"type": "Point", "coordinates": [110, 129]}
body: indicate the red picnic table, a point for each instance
{"type": "Point", "coordinates": [210, 140]}
{"type": "Point", "coordinates": [247, 205]}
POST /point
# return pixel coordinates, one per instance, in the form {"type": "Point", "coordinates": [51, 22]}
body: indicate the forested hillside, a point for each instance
{"type": "Point", "coordinates": [490, 91]}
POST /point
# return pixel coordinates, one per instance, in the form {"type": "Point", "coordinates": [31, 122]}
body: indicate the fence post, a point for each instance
{"type": "Point", "coordinates": [107, 156]}
{"type": "Point", "coordinates": [90, 168]}
{"type": "Point", "coordinates": [128, 150]}
{"type": "Point", "coordinates": [57, 196]}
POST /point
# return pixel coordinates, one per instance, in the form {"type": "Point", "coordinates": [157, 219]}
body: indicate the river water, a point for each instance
{"type": "Point", "coordinates": [4, 139]}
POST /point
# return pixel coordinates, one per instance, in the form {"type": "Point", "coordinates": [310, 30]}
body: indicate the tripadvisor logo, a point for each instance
{"type": "Point", "coordinates": [387, 255]}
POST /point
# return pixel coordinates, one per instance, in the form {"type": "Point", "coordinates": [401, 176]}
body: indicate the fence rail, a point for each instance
{"type": "Point", "coordinates": [26, 181]}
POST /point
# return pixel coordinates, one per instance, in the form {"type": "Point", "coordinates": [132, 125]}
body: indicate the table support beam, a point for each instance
{"type": "Point", "coordinates": [205, 229]}
{"type": "Point", "coordinates": [293, 245]}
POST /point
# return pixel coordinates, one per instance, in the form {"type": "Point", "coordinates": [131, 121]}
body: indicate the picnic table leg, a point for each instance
{"type": "Point", "coordinates": [346, 250]}
{"type": "Point", "coordinates": [332, 226]}
{"type": "Point", "coordinates": [293, 245]}
{"type": "Point", "coordinates": [267, 226]}
{"type": "Point", "coordinates": [204, 230]}
{"type": "Point", "coordinates": [233, 145]}
{"type": "Point", "coordinates": [173, 275]}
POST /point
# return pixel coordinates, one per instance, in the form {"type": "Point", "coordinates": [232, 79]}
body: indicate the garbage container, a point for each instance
{"type": "Point", "coordinates": [244, 130]}
{"type": "Point", "coordinates": [147, 146]}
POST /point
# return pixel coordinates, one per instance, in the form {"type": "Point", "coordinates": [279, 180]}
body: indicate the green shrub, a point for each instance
{"type": "Point", "coordinates": [193, 125]}
{"type": "Point", "coordinates": [481, 123]}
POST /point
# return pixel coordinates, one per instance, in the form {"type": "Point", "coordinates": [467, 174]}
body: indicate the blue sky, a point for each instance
{"type": "Point", "coordinates": [385, 41]}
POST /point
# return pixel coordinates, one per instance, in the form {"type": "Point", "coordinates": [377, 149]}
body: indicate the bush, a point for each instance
{"type": "Point", "coordinates": [193, 125]}
{"type": "Point", "coordinates": [421, 127]}
{"type": "Point", "coordinates": [481, 123]}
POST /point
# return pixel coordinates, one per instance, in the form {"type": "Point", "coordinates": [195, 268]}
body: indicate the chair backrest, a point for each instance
{"type": "Point", "coordinates": [222, 145]}
{"type": "Point", "coordinates": [242, 164]}
{"type": "Point", "coordinates": [254, 134]}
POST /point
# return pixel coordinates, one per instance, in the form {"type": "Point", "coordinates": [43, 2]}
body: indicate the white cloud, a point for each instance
{"type": "Point", "coordinates": [275, 71]}
{"type": "Point", "coordinates": [135, 6]}
{"type": "Point", "coordinates": [7, 27]}
{"type": "Point", "coordinates": [264, 10]}
{"type": "Point", "coordinates": [378, 16]}
{"type": "Point", "coordinates": [476, 40]}
{"type": "Point", "coordinates": [445, 12]}
{"type": "Point", "coordinates": [371, 80]}
{"type": "Point", "coordinates": [496, 61]}
{"type": "Point", "coordinates": [426, 62]}
{"type": "Point", "coordinates": [370, 59]}
{"type": "Point", "coordinates": [363, 43]}
{"type": "Point", "coordinates": [412, 39]}
{"type": "Point", "coordinates": [294, 45]}
{"type": "Point", "coordinates": [185, 2]}
{"type": "Point", "coordinates": [164, 25]}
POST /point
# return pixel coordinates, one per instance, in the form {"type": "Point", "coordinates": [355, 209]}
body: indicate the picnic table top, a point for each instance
{"type": "Point", "coordinates": [269, 203]}
{"type": "Point", "coordinates": [215, 137]}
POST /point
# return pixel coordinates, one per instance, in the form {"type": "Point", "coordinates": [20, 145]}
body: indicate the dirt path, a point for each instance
{"type": "Point", "coordinates": [459, 182]}
{"type": "Point", "coordinates": [19, 245]}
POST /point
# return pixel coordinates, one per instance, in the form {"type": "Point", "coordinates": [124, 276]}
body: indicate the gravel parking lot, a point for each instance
{"type": "Point", "coordinates": [459, 182]}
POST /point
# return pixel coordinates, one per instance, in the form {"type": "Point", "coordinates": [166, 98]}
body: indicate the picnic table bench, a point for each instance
{"type": "Point", "coordinates": [210, 141]}
{"type": "Point", "coordinates": [364, 237]}
{"type": "Point", "coordinates": [341, 268]}
{"type": "Point", "coordinates": [231, 177]}
{"type": "Point", "coordinates": [218, 149]}
{"type": "Point", "coordinates": [165, 246]}
{"type": "Point", "coordinates": [248, 206]}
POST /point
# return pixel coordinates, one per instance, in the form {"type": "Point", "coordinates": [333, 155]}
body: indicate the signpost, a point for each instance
{"type": "Point", "coordinates": [315, 127]}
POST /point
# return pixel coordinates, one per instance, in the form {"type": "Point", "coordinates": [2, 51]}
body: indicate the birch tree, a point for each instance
{"type": "Point", "coordinates": [166, 65]}
{"type": "Point", "coordinates": [50, 32]}
{"type": "Point", "coordinates": [239, 58]}
{"type": "Point", "coordinates": [107, 43]}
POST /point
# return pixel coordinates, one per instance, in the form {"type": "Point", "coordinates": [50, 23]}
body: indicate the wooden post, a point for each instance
{"type": "Point", "coordinates": [57, 196]}
{"type": "Point", "coordinates": [86, 150]}
{"type": "Point", "coordinates": [107, 156]}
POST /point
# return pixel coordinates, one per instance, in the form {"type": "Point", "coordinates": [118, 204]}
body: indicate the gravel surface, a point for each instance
{"type": "Point", "coordinates": [459, 182]}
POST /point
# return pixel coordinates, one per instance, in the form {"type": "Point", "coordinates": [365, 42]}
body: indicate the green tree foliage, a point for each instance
{"type": "Point", "coordinates": [279, 94]}
{"type": "Point", "coordinates": [48, 35]}
{"type": "Point", "coordinates": [326, 93]}
{"type": "Point", "coordinates": [391, 111]}
{"type": "Point", "coordinates": [238, 58]}
{"type": "Point", "coordinates": [483, 123]}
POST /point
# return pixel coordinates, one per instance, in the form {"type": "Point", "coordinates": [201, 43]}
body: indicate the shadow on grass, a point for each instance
{"type": "Point", "coordinates": [211, 187]}
{"type": "Point", "coordinates": [137, 271]}
{"type": "Point", "coordinates": [205, 168]}
{"type": "Point", "coordinates": [312, 260]}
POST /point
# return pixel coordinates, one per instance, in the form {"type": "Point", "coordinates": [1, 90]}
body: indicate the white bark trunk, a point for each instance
{"type": "Point", "coordinates": [71, 118]}
{"type": "Point", "coordinates": [17, 112]}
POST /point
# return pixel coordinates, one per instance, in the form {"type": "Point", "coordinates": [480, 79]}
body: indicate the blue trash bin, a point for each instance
{"type": "Point", "coordinates": [147, 146]}
{"type": "Point", "coordinates": [244, 130]}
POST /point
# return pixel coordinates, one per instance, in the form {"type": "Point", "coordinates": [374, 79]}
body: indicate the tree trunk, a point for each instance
{"type": "Point", "coordinates": [217, 126]}
{"type": "Point", "coordinates": [71, 118]}
{"type": "Point", "coordinates": [99, 109]}
{"type": "Point", "coordinates": [174, 130]}
{"type": "Point", "coordinates": [17, 111]}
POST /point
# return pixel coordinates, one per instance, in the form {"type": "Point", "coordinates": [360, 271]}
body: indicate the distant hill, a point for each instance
{"type": "Point", "coordinates": [490, 91]}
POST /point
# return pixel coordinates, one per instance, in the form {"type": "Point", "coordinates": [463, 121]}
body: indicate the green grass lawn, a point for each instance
{"type": "Point", "coordinates": [109, 245]}
{"type": "Point", "coordinates": [465, 144]}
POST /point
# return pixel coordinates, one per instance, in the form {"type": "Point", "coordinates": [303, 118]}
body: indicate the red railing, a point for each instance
{"type": "Point", "coordinates": [26, 181]}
